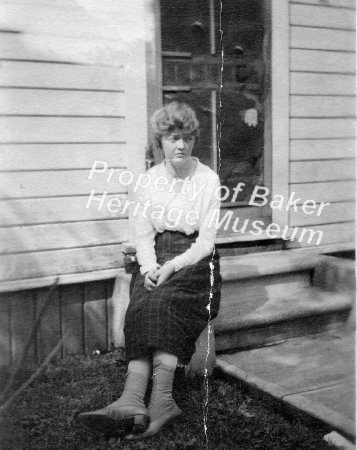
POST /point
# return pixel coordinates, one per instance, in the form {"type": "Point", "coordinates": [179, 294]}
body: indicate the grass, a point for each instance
{"type": "Point", "coordinates": [42, 418]}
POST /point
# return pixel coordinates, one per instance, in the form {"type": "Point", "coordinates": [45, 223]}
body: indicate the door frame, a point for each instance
{"type": "Point", "coordinates": [280, 105]}
{"type": "Point", "coordinates": [277, 135]}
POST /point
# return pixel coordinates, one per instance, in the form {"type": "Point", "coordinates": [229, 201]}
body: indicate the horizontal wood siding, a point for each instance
{"type": "Point", "coordinates": [322, 61]}
{"type": "Point", "coordinates": [49, 48]}
{"type": "Point", "coordinates": [322, 38]}
{"type": "Point", "coordinates": [319, 149]}
{"type": "Point", "coordinates": [63, 105]}
{"type": "Point", "coordinates": [322, 106]}
{"type": "Point", "coordinates": [322, 117]}
{"type": "Point", "coordinates": [60, 129]}
{"type": "Point", "coordinates": [78, 315]}
{"type": "Point", "coordinates": [35, 238]}
{"type": "Point", "coordinates": [324, 128]}
{"type": "Point", "coordinates": [330, 191]}
{"type": "Point", "coordinates": [302, 172]}
{"type": "Point", "coordinates": [304, 83]}
{"type": "Point", "coordinates": [66, 18]}
{"type": "Point", "coordinates": [324, 234]}
{"type": "Point", "coordinates": [61, 209]}
{"type": "Point", "coordinates": [42, 75]}
{"type": "Point", "coordinates": [44, 102]}
{"type": "Point", "coordinates": [54, 183]}
{"type": "Point", "coordinates": [19, 157]}
{"type": "Point", "coordinates": [59, 262]}
{"type": "Point", "coordinates": [349, 4]}
{"type": "Point", "coordinates": [316, 16]}
{"type": "Point", "coordinates": [333, 213]}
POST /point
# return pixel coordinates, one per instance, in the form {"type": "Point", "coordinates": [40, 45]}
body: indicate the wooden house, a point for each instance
{"type": "Point", "coordinates": [79, 80]}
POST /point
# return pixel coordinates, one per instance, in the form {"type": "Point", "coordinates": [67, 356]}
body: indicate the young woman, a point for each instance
{"type": "Point", "coordinates": [177, 290]}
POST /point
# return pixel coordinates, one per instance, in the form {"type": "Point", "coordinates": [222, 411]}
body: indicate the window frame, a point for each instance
{"type": "Point", "coordinates": [276, 151]}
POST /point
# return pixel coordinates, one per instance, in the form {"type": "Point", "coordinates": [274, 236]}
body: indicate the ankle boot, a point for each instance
{"type": "Point", "coordinates": [128, 414]}
{"type": "Point", "coordinates": [162, 407]}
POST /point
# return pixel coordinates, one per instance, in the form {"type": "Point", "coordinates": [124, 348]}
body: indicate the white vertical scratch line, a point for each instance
{"type": "Point", "coordinates": [219, 129]}
{"type": "Point", "coordinates": [214, 158]}
{"type": "Point", "coordinates": [209, 331]}
{"type": "Point", "coordinates": [219, 123]}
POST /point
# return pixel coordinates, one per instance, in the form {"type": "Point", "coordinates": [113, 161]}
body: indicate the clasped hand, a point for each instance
{"type": "Point", "coordinates": [155, 277]}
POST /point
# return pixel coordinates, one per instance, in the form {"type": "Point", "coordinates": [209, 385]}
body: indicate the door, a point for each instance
{"type": "Point", "coordinates": [217, 60]}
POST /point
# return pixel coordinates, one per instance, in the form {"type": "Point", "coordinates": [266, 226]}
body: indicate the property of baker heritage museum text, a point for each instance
{"type": "Point", "coordinates": [172, 216]}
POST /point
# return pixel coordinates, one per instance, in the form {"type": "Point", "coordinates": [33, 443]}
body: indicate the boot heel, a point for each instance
{"type": "Point", "coordinates": [141, 423]}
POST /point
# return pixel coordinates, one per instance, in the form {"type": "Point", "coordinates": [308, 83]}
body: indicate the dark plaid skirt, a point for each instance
{"type": "Point", "coordinates": [172, 316]}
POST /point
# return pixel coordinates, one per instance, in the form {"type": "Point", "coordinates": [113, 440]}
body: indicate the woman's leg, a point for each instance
{"type": "Point", "coordinates": [140, 365]}
{"type": "Point", "coordinates": [165, 358]}
{"type": "Point", "coordinates": [128, 413]}
{"type": "Point", "coordinates": [136, 382]}
{"type": "Point", "coordinates": [162, 407]}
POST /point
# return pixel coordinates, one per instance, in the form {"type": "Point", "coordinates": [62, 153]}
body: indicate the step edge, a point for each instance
{"type": "Point", "coordinates": [234, 267]}
{"type": "Point", "coordinates": [281, 394]}
{"type": "Point", "coordinates": [260, 322]}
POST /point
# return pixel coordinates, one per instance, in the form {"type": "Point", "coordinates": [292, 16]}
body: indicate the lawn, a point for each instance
{"type": "Point", "coordinates": [42, 418]}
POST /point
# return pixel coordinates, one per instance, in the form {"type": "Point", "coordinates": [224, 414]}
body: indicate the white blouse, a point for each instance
{"type": "Point", "coordinates": [170, 203]}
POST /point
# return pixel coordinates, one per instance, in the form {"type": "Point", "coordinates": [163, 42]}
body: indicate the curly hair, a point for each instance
{"type": "Point", "coordinates": [174, 115]}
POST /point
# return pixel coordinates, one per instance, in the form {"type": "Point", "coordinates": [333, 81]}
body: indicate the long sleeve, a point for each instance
{"type": "Point", "coordinates": [145, 236]}
{"type": "Point", "coordinates": [204, 244]}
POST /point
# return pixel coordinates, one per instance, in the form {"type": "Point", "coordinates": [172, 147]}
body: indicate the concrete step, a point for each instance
{"type": "Point", "coordinates": [266, 264]}
{"type": "Point", "coordinates": [268, 298]}
{"type": "Point", "coordinates": [280, 316]}
{"type": "Point", "coordinates": [312, 374]}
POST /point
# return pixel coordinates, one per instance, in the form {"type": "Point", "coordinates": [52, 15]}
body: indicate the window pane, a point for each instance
{"type": "Point", "coordinates": [241, 146]}
{"type": "Point", "coordinates": [185, 26]}
{"type": "Point", "coordinates": [241, 116]}
{"type": "Point", "coordinates": [240, 103]}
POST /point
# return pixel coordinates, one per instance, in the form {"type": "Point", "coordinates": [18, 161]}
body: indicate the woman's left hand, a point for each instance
{"type": "Point", "coordinates": [164, 273]}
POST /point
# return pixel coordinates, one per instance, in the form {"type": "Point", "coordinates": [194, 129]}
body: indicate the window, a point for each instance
{"type": "Point", "coordinates": [215, 59]}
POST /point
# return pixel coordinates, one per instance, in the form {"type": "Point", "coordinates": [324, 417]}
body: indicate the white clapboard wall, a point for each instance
{"type": "Point", "coordinates": [65, 99]}
{"type": "Point", "coordinates": [322, 115]}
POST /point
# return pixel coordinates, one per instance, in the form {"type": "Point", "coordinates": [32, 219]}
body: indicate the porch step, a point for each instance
{"type": "Point", "coordinates": [263, 264]}
{"type": "Point", "coordinates": [268, 298]}
{"type": "Point", "coordinates": [313, 375]}
{"type": "Point", "coordinates": [282, 316]}
{"type": "Point", "coordinates": [248, 237]}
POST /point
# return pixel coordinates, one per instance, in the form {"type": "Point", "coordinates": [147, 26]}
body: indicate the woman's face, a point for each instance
{"type": "Point", "coordinates": [177, 147]}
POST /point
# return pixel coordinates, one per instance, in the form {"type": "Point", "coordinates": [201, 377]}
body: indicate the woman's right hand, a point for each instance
{"type": "Point", "coordinates": [150, 279]}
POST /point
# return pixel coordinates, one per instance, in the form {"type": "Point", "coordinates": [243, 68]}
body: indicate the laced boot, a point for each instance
{"type": "Point", "coordinates": [128, 414]}
{"type": "Point", "coordinates": [162, 407]}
